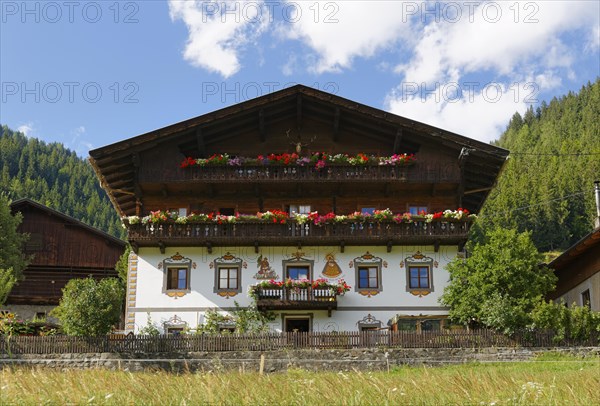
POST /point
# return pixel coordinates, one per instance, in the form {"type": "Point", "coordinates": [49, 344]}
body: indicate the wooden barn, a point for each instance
{"type": "Point", "coordinates": [62, 248]}
{"type": "Point", "coordinates": [296, 197]}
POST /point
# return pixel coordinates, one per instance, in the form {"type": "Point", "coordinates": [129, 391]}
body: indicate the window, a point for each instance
{"type": "Point", "coordinates": [228, 278]}
{"type": "Point", "coordinates": [175, 330]}
{"type": "Point", "coordinates": [367, 210]}
{"type": "Point", "coordinates": [299, 209]}
{"type": "Point", "coordinates": [585, 298]}
{"type": "Point", "coordinates": [367, 277]}
{"type": "Point", "coordinates": [175, 325]}
{"type": "Point", "coordinates": [179, 212]}
{"type": "Point", "coordinates": [176, 270]}
{"type": "Point", "coordinates": [228, 275]}
{"type": "Point", "coordinates": [369, 323]}
{"type": "Point", "coordinates": [416, 210]}
{"type": "Point", "coordinates": [227, 211]}
{"type": "Point", "coordinates": [297, 268]}
{"type": "Point", "coordinates": [297, 272]}
{"type": "Point", "coordinates": [177, 278]}
{"type": "Point", "coordinates": [419, 277]}
{"type": "Point", "coordinates": [406, 325]}
{"type": "Point", "coordinates": [420, 325]}
{"type": "Point", "coordinates": [431, 325]}
{"type": "Point", "coordinates": [368, 274]}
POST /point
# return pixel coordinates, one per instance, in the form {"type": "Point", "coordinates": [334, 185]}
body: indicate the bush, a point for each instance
{"type": "Point", "coordinates": [89, 307]}
{"type": "Point", "coordinates": [575, 322]}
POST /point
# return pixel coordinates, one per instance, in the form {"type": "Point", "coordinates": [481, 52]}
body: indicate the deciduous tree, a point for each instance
{"type": "Point", "coordinates": [89, 307]}
{"type": "Point", "coordinates": [12, 259]}
{"type": "Point", "coordinates": [499, 283]}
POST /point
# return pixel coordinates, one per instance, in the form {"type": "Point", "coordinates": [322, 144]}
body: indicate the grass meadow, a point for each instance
{"type": "Point", "coordinates": [549, 380]}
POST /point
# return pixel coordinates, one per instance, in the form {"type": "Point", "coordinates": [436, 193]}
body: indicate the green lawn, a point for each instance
{"type": "Point", "coordinates": [550, 380]}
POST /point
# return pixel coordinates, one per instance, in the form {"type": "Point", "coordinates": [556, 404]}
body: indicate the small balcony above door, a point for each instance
{"type": "Point", "coordinates": [282, 298]}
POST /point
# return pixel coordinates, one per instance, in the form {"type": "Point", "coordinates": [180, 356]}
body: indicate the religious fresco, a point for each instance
{"type": "Point", "coordinates": [264, 269]}
{"type": "Point", "coordinates": [331, 268]}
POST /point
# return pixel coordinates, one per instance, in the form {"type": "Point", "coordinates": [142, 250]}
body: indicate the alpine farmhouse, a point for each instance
{"type": "Point", "coordinates": [61, 248]}
{"type": "Point", "coordinates": [334, 215]}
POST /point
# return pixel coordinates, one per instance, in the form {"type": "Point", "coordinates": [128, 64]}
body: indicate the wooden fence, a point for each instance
{"type": "Point", "coordinates": [277, 341]}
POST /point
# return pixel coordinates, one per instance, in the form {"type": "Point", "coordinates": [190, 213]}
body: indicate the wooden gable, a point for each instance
{"type": "Point", "coordinates": [147, 166]}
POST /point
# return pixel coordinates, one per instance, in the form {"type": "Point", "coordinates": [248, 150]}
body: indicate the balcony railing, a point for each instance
{"type": "Point", "coordinates": [282, 298]}
{"type": "Point", "coordinates": [419, 173]}
{"type": "Point", "coordinates": [293, 233]}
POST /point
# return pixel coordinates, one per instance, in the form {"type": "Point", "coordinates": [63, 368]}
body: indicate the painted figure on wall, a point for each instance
{"type": "Point", "coordinates": [264, 269]}
{"type": "Point", "coordinates": [331, 268]}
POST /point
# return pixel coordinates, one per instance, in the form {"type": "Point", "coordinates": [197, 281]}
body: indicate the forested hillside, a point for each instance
{"type": "Point", "coordinates": [54, 176]}
{"type": "Point", "coordinates": [547, 184]}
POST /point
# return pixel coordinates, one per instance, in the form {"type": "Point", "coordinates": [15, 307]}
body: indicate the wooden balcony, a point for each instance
{"type": "Point", "coordinates": [294, 234]}
{"type": "Point", "coordinates": [296, 299]}
{"type": "Point", "coordinates": [418, 173]}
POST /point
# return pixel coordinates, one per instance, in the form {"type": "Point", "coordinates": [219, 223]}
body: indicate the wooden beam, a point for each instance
{"type": "Point", "coordinates": [387, 189]}
{"type": "Point", "coordinates": [209, 247]}
{"type": "Point", "coordinates": [138, 207]}
{"type": "Point", "coordinates": [123, 191]}
{"type": "Point", "coordinates": [137, 191]}
{"type": "Point", "coordinates": [126, 175]}
{"type": "Point", "coordinates": [462, 160]}
{"type": "Point", "coordinates": [389, 246]}
{"type": "Point", "coordinates": [164, 190]}
{"type": "Point", "coordinates": [436, 245]}
{"type": "Point", "coordinates": [342, 246]}
{"type": "Point", "coordinates": [483, 189]}
{"type": "Point", "coordinates": [200, 143]}
{"type": "Point", "coordinates": [134, 246]}
{"type": "Point", "coordinates": [261, 125]}
{"type": "Point", "coordinates": [256, 246]}
{"type": "Point", "coordinates": [398, 141]}
{"type": "Point", "coordinates": [336, 124]}
{"type": "Point", "coordinates": [299, 111]}
{"type": "Point", "coordinates": [161, 246]}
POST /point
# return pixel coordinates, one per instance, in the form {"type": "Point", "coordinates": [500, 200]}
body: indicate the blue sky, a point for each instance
{"type": "Point", "coordinates": [91, 73]}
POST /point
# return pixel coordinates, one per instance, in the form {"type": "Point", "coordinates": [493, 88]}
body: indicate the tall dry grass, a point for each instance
{"type": "Point", "coordinates": [556, 382]}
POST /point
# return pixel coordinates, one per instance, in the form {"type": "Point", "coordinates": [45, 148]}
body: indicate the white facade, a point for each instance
{"type": "Point", "coordinates": [148, 292]}
{"type": "Point", "coordinates": [588, 290]}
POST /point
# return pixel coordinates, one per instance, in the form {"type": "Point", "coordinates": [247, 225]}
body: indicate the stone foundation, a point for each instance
{"type": "Point", "coordinates": [280, 361]}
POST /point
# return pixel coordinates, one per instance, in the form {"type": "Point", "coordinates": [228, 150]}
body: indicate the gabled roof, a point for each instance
{"type": "Point", "coordinates": [589, 242]}
{"type": "Point", "coordinates": [576, 264]}
{"type": "Point", "coordinates": [17, 206]}
{"type": "Point", "coordinates": [116, 164]}
{"type": "Point", "coordinates": [281, 95]}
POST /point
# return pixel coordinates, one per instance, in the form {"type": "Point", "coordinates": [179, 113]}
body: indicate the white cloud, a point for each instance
{"type": "Point", "coordinates": [525, 57]}
{"type": "Point", "coordinates": [593, 43]}
{"type": "Point", "coordinates": [481, 114]}
{"type": "Point", "coordinates": [26, 129]}
{"type": "Point", "coordinates": [79, 145]}
{"type": "Point", "coordinates": [338, 32]}
{"type": "Point", "coordinates": [218, 31]}
{"type": "Point", "coordinates": [290, 66]}
{"type": "Point", "coordinates": [502, 46]}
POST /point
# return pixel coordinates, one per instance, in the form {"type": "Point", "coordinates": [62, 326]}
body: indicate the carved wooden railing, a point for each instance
{"type": "Point", "coordinates": [295, 298]}
{"type": "Point", "coordinates": [292, 233]}
{"type": "Point", "coordinates": [418, 173]}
